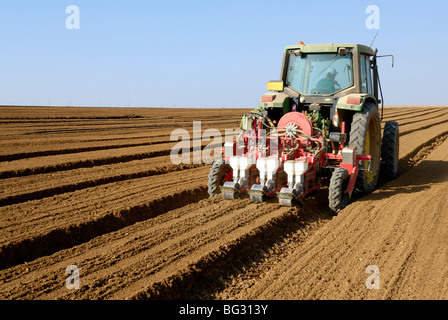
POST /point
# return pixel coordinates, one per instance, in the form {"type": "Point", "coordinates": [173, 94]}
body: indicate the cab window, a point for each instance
{"type": "Point", "coordinates": [366, 75]}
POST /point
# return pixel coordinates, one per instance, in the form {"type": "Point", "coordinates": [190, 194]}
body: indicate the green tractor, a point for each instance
{"type": "Point", "coordinates": [321, 117]}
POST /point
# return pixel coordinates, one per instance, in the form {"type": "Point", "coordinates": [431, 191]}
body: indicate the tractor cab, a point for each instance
{"type": "Point", "coordinates": [323, 78]}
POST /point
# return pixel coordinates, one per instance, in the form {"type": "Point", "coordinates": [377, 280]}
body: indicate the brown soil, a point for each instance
{"type": "Point", "coordinates": [94, 187]}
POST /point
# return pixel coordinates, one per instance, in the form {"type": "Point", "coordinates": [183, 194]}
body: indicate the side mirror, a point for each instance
{"type": "Point", "coordinates": [388, 55]}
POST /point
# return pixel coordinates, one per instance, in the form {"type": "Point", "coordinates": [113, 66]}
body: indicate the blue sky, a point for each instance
{"type": "Point", "coordinates": [204, 53]}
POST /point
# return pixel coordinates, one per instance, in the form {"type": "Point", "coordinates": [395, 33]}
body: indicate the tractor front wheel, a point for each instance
{"type": "Point", "coordinates": [338, 197]}
{"type": "Point", "coordinates": [219, 173]}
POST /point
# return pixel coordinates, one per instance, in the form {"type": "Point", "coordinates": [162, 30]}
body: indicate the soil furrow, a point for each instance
{"type": "Point", "coordinates": [91, 146]}
{"type": "Point", "coordinates": [82, 164]}
{"type": "Point", "coordinates": [18, 156]}
{"type": "Point", "coordinates": [174, 125]}
{"type": "Point", "coordinates": [128, 247]}
{"type": "Point", "coordinates": [61, 238]}
{"type": "Point", "coordinates": [412, 115]}
{"type": "Point", "coordinates": [422, 126]}
{"type": "Point", "coordinates": [76, 217]}
{"type": "Point", "coordinates": [89, 159]}
{"type": "Point", "coordinates": [49, 192]}
{"type": "Point", "coordinates": [179, 284]}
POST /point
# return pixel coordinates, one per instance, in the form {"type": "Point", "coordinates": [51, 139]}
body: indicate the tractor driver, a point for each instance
{"type": "Point", "coordinates": [329, 83]}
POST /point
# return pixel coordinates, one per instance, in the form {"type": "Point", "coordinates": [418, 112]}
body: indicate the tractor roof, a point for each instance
{"type": "Point", "coordinates": [331, 47]}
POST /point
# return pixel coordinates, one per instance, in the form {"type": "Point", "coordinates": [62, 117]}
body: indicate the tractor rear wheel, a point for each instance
{"type": "Point", "coordinates": [390, 150]}
{"type": "Point", "coordinates": [338, 197]}
{"type": "Point", "coordinates": [365, 137]}
{"type": "Point", "coordinates": [218, 172]}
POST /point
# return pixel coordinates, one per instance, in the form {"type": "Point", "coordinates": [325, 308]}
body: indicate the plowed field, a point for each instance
{"type": "Point", "coordinates": [95, 188]}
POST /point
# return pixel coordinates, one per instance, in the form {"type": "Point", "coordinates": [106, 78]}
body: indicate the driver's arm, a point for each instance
{"type": "Point", "coordinates": [336, 83]}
